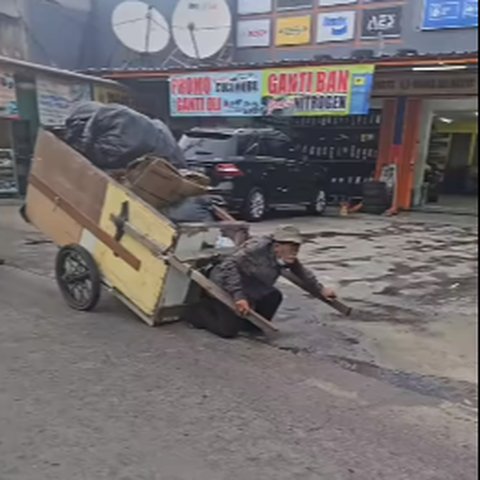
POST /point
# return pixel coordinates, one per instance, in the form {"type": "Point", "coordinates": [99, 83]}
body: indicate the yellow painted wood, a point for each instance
{"type": "Point", "coordinates": [143, 288]}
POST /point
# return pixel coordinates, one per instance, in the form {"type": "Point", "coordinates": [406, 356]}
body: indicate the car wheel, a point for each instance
{"type": "Point", "coordinates": [255, 205]}
{"type": "Point", "coordinates": [319, 204]}
{"type": "Point", "coordinates": [78, 277]}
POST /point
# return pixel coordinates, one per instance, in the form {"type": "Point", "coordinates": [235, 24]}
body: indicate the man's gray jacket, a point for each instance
{"type": "Point", "coordinates": [250, 273]}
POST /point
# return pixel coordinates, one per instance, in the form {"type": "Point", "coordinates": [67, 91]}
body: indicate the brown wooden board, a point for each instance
{"type": "Point", "coordinates": [71, 176]}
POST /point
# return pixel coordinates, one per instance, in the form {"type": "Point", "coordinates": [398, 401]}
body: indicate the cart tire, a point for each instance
{"type": "Point", "coordinates": [78, 277]}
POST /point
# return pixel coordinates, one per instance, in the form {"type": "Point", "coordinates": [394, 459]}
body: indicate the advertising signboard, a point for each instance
{"type": "Point", "coordinates": [385, 22]}
{"type": "Point", "coordinates": [56, 98]}
{"type": "Point", "coordinates": [253, 33]}
{"type": "Point", "coordinates": [246, 7]}
{"type": "Point", "coordinates": [212, 94]}
{"type": "Point", "coordinates": [8, 96]}
{"type": "Point", "coordinates": [106, 94]}
{"type": "Point", "coordinates": [336, 27]}
{"type": "Point", "coordinates": [317, 91]}
{"type": "Point", "coordinates": [293, 4]}
{"type": "Point", "coordinates": [444, 14]}
{"type": "Point", "coordinates": [331, 3]}
{"type": "Point", "coordinates": [293, 31]}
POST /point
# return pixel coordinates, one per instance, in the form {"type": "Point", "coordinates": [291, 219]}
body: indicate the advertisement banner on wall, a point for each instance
{"type": "Point", "coordinates": [385, 22]}
{"type": "Point", "coordinates": [57, 97]}
{"type": "Point", "coordinates": [441, 14]}
{"type": "Point", "coordinates": [106, 94]}
{"type": "Point", "coordinates": [225, 94]}
{"type": "Point", "coordinates": [246, 7]}
{"type": "Point", "coordinates": [293, 31]}
{"type": "Point", "coordinates": [253, 33]}
{"type": "Point", "coordinates": [336, 27]}
{"type": "Point", "coordinates": [317, 91]}
{"type": "Point", "coordinates": [8, 95]}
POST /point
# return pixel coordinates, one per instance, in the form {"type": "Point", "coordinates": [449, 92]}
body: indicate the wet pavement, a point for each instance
{"type": "Point", "coordinates": [390, 392]}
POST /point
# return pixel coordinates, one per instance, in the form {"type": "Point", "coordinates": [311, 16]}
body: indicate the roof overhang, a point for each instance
{"type": "Point", "coordinates": [395, 63]}
{"type": "Point", "coordinates": [21, 64]}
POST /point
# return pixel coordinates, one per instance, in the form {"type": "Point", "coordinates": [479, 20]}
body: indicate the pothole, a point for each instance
{"type": "Point", "coordinates": [443, 388]}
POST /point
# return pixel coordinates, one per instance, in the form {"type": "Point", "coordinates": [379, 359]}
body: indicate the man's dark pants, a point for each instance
{"type": "Point", "coordinates": [215, 317]}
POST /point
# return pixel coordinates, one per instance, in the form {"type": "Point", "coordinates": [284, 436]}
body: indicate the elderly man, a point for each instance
{"type": "Point", "coordinates": [249, 276]}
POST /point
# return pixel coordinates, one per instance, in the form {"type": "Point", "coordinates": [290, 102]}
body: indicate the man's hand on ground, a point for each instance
{"type": "Point", "coordinates": [329, 293]}
{"type": "Point", "coordinates": [242, 307]}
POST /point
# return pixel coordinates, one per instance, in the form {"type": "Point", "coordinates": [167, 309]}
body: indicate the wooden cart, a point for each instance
{"type": "Point", "coordinates": [108, 236]}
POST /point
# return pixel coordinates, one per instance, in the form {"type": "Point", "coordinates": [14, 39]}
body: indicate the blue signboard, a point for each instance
{"type": "Point", "coordinates": [212, 94]}
{"type": "Point", "coordinates": [443, 14]}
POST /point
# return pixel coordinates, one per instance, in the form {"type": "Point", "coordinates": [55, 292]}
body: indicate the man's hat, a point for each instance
{"type": "Point", "coordinates": [288, 234]}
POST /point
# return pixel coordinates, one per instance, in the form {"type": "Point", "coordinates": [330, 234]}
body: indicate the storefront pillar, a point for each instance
{"type": "Point", "coordinates": [399, 136]}
{"type": "Point", "coordinates": [385, 143]}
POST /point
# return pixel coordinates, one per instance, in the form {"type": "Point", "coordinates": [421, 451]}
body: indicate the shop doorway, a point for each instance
{"type": "Point", "coordinates": [451, 171]}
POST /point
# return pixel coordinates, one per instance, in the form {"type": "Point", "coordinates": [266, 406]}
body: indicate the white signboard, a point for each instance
{"type": "Point", "coordinates": [330, 3]}
{"type": "Point", "coordinates": [336, 27]}
{"type": "Point", "coordinates": [246, 7]}
{"type": "Point", "coordinates": [254, 33]}
{"type": "Point", "coordinates": [56, 98]}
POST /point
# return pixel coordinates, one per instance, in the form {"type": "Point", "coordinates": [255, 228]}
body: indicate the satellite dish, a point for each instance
{"type": "Point", "coordinates": [140, 27]}
{"type": "Point", "coordinates": [201, 28]}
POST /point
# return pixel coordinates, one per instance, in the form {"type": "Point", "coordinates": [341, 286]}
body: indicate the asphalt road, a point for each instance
{"type": "Point", "coordinates": [102, 396]}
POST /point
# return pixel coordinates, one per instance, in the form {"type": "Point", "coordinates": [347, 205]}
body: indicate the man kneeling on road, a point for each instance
{"type": "Point", "coordinates": [249, 276]}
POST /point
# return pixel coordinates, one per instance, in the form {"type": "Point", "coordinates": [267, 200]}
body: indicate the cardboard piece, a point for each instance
{"type": "Point", "coordinates": [159, 184]}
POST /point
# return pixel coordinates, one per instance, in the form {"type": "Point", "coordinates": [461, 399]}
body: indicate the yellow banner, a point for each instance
{"type": "Point", "coordinates": [316, 91]}
{"type": "Point", "coordinates": [106, 94]}
{"type": "Point", "coordinates": [293, 31]}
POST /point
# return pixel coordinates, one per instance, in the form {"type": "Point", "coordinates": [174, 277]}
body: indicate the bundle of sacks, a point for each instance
{"type": "Point", "coordinates": [111, 136]}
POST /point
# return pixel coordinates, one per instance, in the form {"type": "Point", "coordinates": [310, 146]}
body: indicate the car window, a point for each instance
{"type": "Point", "coordinates": [247, 144]}
{"type": "Point", "coordinates": [207, 145]}
{"type": "Point", "coordinates": [276, 146]}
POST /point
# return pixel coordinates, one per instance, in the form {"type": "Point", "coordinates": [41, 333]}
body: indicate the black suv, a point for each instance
{"type": "Point", "coordinates": [256, 169]}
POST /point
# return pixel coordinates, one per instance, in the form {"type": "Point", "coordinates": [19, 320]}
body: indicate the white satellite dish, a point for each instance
{"type": "Point", "coordinates": [140, 27]}
{"type": "Point", "coordinates": [201, 28]}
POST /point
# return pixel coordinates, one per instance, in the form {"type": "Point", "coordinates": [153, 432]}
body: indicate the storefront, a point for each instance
{"type": "Point", "coordinates": [389, 128]}
{"type": "Point", "coordinates": [430, 129]}
{"type": "Point", "coordinates": [33, 96]}
{"type": "Point", "coordinates": [8, 116]}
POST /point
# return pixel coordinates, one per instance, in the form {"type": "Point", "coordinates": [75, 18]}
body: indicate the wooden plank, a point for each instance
{"type": "Point", "coordinates": [216, 292]}
{"type": "Point", "coordinates": [87, 223]}
{"type": "Point", "coordinates": [335, 304]}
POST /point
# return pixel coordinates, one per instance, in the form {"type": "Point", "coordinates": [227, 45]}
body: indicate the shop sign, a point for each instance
{"type": "Point", "coordinates": [225, 94]}
{"type": "Point", "coordinates": [293, 31]}
{"type": "Point", "coordinates": [246, 7]}
{"type": "Point", "coordinates": [317, 91]}
{"type": "Point", "coordinates": [57, 97]}
{"type": "Point", "coordinates": [294, 4]}
{"type": "Point", "coordinates": [253, 33]}
{"type": "Point", "coordinates": [331, 3]}
{"type": "Point", "coordinates": [384, 22]}
{"type": "Point", "coordinates": [8, 95]}
{"type": "Point", "coordinates": [425, 84]}
{"type": "Point", "coordinates": [336, 27]}
{"type": "Point", "coordinates": [104, 94]}
{"type": "Point", "coordinates": [442, 14]}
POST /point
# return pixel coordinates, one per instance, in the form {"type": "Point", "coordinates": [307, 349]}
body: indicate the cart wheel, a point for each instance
{"type": "Point", "coordinates": [78, 277]}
